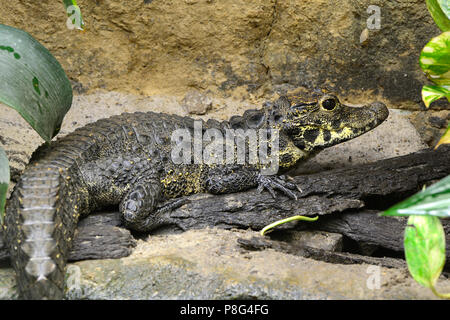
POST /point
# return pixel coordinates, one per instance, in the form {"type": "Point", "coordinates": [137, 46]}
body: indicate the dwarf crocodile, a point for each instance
{"type": "Point", "coordinates": [126, 160]}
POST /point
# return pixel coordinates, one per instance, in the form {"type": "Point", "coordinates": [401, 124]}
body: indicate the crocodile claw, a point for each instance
{"type": "Point", "coordinates": [273, 182]}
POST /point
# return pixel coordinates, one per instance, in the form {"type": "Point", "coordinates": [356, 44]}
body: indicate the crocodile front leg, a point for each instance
{"type": "Point", "coordinates": [238, 178]}
{"type": "Point", "coordinates": [139, 203]}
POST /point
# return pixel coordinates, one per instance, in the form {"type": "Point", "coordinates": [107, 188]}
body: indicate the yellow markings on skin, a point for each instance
{"type": "Point", "coordinates": [319, 140]}
{"type": "Point", "coordinates": [295, 155]}
{"type": "Point", "coordinates": [185, 182]}
{"type": "Point", "coordinates": [68, 178]}
{"type": "Point", "coordinates": [344, 134]}
{"type": "Point", "coordinates": [58, 255]}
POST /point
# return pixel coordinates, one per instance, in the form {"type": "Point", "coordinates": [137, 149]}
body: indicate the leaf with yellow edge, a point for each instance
{"type": "Point", "coordinates": [445, 139]}
{"type": "Point", "coordinates": [424, 244]}
{"type": "Point", "coordinates": [433, 93]}
{"type": "Point", "coordinates": [435, 59]}
{"type": "Point", "coordinates": [440, 11]}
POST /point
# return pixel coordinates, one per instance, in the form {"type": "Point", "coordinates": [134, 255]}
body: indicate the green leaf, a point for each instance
{"type": "Point", "coordinates": [435, 59]}
{"type": "Point", "coordinates": [433, 201]}
{"type": "Point", "coordinates": [424, 244]}
{"type": "Point", "coordinates": [75, 20]}
{"type": "Point", "coordinates": [4, 182]}
{"type": "Point", "coordinates": [433, 93]}
{"type": "Point", "coordinates": [445, 139]}
{"type": "Point", "coordinates": [444, 4]}
{"type": "Point", "coordinates": [33, 82]}
{"type": "Point", "coordinates": [439, 10]}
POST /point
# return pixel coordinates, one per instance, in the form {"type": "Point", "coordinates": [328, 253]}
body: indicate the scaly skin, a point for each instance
{"type": "Point", "coordinates": [126, 161]}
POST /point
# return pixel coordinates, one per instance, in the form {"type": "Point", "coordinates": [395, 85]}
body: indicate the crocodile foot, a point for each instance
{"type": "Point", "coordinates": [274, 182]}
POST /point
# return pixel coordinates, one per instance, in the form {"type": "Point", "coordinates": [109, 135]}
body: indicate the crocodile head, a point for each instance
{"type": "Point", "coordinates": [313, 125]}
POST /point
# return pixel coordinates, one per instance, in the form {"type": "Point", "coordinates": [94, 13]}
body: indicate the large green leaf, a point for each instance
{"type": "Point", "coordinates": [433, 201]}
{"type": "Point", "coordinates": [33, 82]}
{"type": "Point", "coordinates": [440, 12]}
{"type": "Point", "coordinates": [424, 244]}
{"type": "Point", "coordinates": [435, 59]}
{"type": "Point", "coordinates": [4, 182]}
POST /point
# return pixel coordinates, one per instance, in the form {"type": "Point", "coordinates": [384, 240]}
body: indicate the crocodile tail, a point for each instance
{"type": "Point", "coordinates": [41, 218]}
{"type": "Point", "coordinates": [43, 211]}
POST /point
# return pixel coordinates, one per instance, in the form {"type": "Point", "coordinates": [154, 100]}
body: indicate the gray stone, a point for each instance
{"type": "Point", "coordinates": [328, 241]}
{"type": "Point", "coordinates": [195, 102]}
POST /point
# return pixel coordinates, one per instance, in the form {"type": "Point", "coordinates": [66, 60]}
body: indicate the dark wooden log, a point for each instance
{"type": "Point", "coordinates": [369, 227]}
{"type": "Point", "coordinates": [373, 186]}
{"type": "Point", "coordinates": [259, 243]}
{"type": "Point", "coordinates": [98, 237]}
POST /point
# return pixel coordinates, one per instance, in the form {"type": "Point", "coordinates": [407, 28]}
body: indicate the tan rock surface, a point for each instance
{"type": "Point", "coordinates": [247, 49]}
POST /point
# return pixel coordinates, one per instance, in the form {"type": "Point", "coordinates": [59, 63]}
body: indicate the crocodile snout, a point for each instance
{"type": "Point", "coordinates": [380, 111]}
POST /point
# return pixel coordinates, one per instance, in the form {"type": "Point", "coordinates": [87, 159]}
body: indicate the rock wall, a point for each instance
{"type": "Point", "coordinates": [244, 49]}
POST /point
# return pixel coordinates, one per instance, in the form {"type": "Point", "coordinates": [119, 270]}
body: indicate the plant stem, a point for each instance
{"type": "Point", "coordinates": [440, 295]}
{"type": "Point", "coordinates": [280, 222]}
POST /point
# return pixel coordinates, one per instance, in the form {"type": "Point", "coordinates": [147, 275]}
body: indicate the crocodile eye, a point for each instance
{"type": "Point", "coordinates": [329, 104]}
